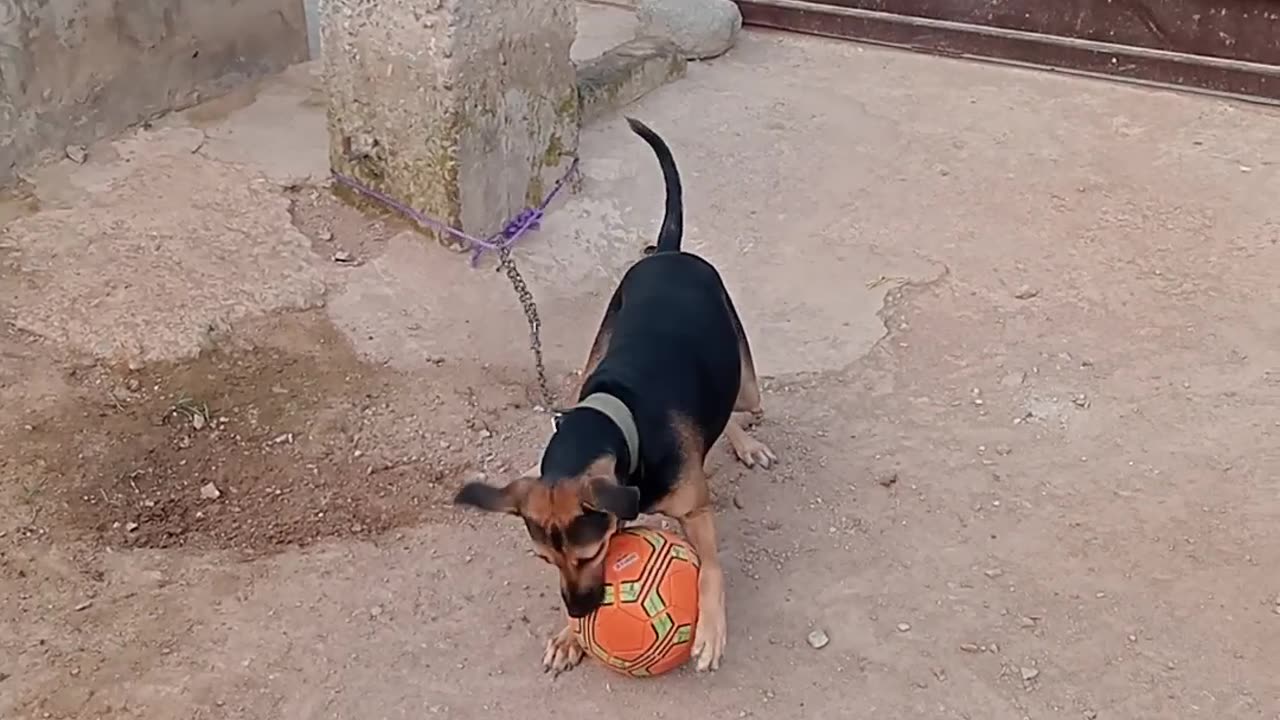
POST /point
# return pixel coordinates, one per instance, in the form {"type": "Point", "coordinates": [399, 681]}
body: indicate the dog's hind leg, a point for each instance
{"type": "Point", "coordinates": [747, 409]}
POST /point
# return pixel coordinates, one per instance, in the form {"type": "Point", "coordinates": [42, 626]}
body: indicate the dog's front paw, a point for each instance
{"type": "Point", "coordinates": [564, 651]}
{"type": "Point", "coordinates": [709, 636]}
{"type": "Point", "coordinates": [752, 452]}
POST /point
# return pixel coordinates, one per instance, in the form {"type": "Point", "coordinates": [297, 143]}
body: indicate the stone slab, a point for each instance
{"type": "Point", "coordinates": [702, 29]}
{"type": "Point", "coordinates": [625, 74]}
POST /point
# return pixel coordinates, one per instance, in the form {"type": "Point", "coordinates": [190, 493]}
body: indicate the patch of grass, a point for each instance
{"type": "Point", "coordinates": [195, 411]}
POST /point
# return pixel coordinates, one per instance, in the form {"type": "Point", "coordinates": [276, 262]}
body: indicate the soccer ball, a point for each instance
{"type": "Point", "coordinates": [645, 625]}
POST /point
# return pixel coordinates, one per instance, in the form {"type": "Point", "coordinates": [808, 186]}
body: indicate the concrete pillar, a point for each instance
{"type": "Point", "coordinates": [464, 110]}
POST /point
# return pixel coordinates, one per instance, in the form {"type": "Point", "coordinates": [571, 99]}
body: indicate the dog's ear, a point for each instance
{"type": "Point", "coordinates": [494, 499]}
{"type": "Point", "coordinates": [606, 495]}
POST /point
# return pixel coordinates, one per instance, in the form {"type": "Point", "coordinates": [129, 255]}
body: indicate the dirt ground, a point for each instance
{"type": "Point", "coordinates": [1021, 340]}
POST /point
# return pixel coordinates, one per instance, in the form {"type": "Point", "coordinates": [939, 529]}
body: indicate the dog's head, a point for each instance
{"type": "Point", "coordinates": [570, 521]}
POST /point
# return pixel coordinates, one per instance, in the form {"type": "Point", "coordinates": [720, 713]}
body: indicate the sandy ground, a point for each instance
{"type": "Point", "coordinates": [1021, 340]}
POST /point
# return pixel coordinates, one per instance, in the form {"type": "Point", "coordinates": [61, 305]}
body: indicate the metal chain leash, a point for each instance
{"type": "Point", "coordinates": [502, 242]}
{"type": "Point", "coordinates": [573, 179]}
{"type": "Point", "coordinates": [508, 265]}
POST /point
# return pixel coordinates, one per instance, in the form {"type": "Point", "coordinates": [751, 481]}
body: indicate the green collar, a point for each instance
{"type": "Point", "coordinates": [617, 411]}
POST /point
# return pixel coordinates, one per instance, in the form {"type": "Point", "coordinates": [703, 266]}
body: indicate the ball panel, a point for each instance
{"type": "Point", "coordinates": [623, 635]}
{"type": "Point", "coordinates": [679, 588]}
{"type": "Point", "coordinates": [672, 657]}
{"type": "Point", "coordinates": [627, 558]}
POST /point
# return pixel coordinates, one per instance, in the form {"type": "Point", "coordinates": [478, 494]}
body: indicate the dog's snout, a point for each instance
{"type": "Point", "coordinates": [581, 603]}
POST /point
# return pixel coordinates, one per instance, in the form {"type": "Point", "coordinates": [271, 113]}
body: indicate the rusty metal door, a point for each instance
{"type": "Point", "coordinates": [1223, 46]}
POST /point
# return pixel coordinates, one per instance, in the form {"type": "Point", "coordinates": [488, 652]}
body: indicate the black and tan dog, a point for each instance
{"type": "Point", "coordinates": [669, 372]}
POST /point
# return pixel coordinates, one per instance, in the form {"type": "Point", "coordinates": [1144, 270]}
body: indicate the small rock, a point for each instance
{"type": "Point", "coordinates": [1026, 292]}
{"type": "Point", "coordinates": [130, 526]}
{"type": "Point", "coordinates": [993, 573]}
{"type": "Point", "coordinates": [84, 606]}
{"type": "Point", "coordinates": [209, 491]}
{"type": "Point", "coordinates": [1013, 379]}
{"type": "Point", "coordinates": [904, 627]}
{"type": "Point", "coordinates": [198, 421]}
{"type": "Point", "coordinates": [1028, 673]}
{"type": "Point", "coordinates": [326, 235]}
{"type": "Point", "coordinates": [77, 154]}
{"type": "Point", "coordinates": [701, 29]}
{"type": "Point", "coordinates": [888, 479]}
{"type": "Point", "coordinates": [969, 647]}
{"type": "Point", "coordinates": [343, 257]}
{"type": "Point", "coordinates": [133, 385]}
{"type": "Point", "coordinates": [738, 503]}
{"type": "Point", "coordinates": [1026, 622]}
{"type": "Point", "coordinates": [818, 639]}
{"type": "Point", "coordinates": [4, 676]}
{"type": "Point", "coordinates": [375, 611]}
{"type": "Point", "coordinates": [1278, 609]}
{"type": "Point", "coordinates": [940, 673]}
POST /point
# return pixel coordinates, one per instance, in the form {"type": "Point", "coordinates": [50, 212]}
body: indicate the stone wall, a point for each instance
{"type": "Point", "coordinates": [75, 71]}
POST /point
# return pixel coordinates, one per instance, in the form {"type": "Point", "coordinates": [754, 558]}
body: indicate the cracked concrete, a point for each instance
{"type": "Point", "coordinates": [145, 256]}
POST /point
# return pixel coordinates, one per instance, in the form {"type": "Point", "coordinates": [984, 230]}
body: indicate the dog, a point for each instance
{"type": "Point", "coordinates": [669, 372]}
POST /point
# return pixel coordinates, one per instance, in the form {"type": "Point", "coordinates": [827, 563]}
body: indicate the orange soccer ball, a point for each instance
{"type": "Point", "coordinates": [645, 625]}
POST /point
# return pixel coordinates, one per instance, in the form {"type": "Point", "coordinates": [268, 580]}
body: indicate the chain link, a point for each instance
{"type": "Point", "coordinates": [508, 265]}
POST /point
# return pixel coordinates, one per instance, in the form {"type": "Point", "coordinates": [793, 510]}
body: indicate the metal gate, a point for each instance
{"type": "Point", "coordinates": [1222, 46]}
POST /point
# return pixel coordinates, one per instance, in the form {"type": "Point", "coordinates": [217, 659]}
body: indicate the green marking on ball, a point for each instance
{"type": "Point", "coordinates": [630, 591]}
{"type": "Point", "coordinates": [654, 539]}
{"type": "Point", "coordinates": [661, 625]}
{"type": "Point", "coordinates": [654, 604]}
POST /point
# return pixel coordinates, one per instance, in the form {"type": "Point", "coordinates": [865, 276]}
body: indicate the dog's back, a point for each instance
{"type": "Point", "coordinates": [673, 348]}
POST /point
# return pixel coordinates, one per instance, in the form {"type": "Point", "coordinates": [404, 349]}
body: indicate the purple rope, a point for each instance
{"type": "Point", "coordinates": [527, 219]}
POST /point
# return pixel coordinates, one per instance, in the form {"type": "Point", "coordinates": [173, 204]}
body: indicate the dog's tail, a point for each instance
{"type": "Point", "coordinates": [673, 216]}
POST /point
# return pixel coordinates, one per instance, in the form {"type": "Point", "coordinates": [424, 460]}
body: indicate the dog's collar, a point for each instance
{"type": "Point", "coordinates": [617, 411]}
